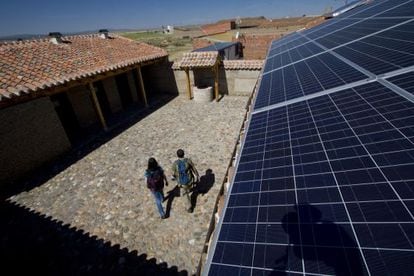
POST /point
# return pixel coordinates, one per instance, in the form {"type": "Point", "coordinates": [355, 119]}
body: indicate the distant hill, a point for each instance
{"type": "Point", "coordinates": [39, 36]}
{"type": "Point", "coordinates": [21, 36]}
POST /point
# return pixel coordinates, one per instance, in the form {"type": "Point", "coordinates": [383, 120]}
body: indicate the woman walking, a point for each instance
{"type": "Point", "coordinates": [155, 178]}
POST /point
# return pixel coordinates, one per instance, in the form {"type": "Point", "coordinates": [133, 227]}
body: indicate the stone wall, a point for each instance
{"type": "Point", "coordinates": [241, 82]}
{"type": "Point", "coordinates": [30, 135]}
{"type": "Point", "coordinates": [133, 85]}
{"type": "Point", "coordinates": [112, 94]}
{"type": "Point", "coordinates": [159, 79]}
{"type": "Point", "coordinates": [231, 82]}
{"type": "Point", "coordinates": [80, 98]}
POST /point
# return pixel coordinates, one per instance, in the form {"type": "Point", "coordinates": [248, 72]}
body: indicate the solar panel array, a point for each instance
{"type": "Point", "coordinates": [324, 184]}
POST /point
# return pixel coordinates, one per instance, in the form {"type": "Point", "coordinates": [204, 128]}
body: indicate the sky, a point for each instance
{"type": "Point", "coordinates": [44, 16]}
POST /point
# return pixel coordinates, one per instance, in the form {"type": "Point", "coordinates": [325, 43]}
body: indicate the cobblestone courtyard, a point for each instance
{"type": "Point", "coordinates": [104, 193]}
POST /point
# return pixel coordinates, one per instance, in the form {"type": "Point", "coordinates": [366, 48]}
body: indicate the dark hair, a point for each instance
{"type": "Point", "coordinates": [180, 153]}
{"type": "Point", "coordinates": [152, 164]}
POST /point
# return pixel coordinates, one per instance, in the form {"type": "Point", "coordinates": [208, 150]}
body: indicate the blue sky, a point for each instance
{"type": "Point", "coordinates": [44, 16]}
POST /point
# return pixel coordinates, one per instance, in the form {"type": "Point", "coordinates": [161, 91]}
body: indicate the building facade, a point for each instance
{"type": "Point", "coordinates": [54, 92]}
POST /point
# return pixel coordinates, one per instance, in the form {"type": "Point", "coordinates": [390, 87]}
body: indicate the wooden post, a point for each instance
{"type": "Point", "coordinates": [216, 80]}
{"type": "Point", "coordinates": [97, 107]}
{"type": "Point", "coordinates": [188, 83]}
{"type": "Point", "coordinates": [141, 83]}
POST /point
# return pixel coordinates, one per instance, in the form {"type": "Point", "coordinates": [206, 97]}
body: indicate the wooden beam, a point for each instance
{"type": "Point", "coordinates": [216, 81]}
{"type": "Point", "coordinates": [187, 72]}
{"type": "Point", "coordinates": [141, 84]}
{"type": "Point", "coordinates": [97, 107]}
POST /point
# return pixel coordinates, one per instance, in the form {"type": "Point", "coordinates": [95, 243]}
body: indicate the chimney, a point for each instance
{"type": "Point", "coordinates": [103, 33]}
{"type": "Point", "coordinates": [55, 37]}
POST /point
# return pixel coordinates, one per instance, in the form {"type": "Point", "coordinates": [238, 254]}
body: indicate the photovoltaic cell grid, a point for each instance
{"type": "Point", "coordinates": [378, 37]}
{"type": "Point", "coordinates": [325, 185]}
{"type": "Point", "coordinates": [313, 75]}
{"type": "Point", "coordinates": [405, 81]}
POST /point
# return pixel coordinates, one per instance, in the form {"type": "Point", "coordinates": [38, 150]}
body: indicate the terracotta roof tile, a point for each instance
{"type": "Point", "coordinates": [197, 59]}
{"type": "Point", "coordinates": [254, 64]}
{"type": "Point", "coordinates": [27, 66]}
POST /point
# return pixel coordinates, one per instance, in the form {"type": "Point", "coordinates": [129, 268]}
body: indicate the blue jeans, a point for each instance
{"type": "Point", "coordinates": [159, 197]}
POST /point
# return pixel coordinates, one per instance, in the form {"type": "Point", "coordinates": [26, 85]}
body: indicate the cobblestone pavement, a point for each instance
{"type": "Point", "coordinates": [104, 193]}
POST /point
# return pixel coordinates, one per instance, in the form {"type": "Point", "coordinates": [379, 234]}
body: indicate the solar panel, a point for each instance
{"type": "Point", "coordinates": [405, 81]}
{"type": "Point", "coordinates": [394, 8]}
{"type": "Point", "coordinates": [324, 184]}
{"type": "Point", "coordinates": [356, 31]}
{"type": "Point", "coordinates": [380, 53]}
{"type": "Point", "coordinates": [309, 76]}
{"type": "Point", "coordinates": [321, 179]}
{"type": "Point", "coordinates": [325, 29]}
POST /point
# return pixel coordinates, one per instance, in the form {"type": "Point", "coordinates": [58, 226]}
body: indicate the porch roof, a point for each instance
{"type": "Point", "coordinates": [28, 67]}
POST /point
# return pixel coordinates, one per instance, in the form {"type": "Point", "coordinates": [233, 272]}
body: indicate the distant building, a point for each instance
{"type": "Point", "coordinates": [218, 28]}
{"type": "Point", "coordinates": [54, 91]}
{"type": "Point", "coordinates": [168, 29]}
{"type": "Point", "coordinates": [226, 50]}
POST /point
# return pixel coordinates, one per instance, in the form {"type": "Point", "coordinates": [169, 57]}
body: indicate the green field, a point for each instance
{"type": "Point", "coordinates": [174, 45]}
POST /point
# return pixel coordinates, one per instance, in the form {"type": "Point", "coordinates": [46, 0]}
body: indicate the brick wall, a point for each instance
{"type": "Point", "coordinates": [218, 28]}
{"type": "Point", "coordinates": [201, 43]}
{"type": "Point", "coordinates": [256, 46]}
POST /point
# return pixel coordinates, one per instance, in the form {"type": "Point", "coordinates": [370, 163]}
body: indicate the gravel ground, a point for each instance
{"type": "Point", "coordinates": [104, 193]}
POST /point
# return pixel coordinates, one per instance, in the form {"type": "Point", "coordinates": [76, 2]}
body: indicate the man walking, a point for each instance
{"type": "Point", "coordinates": [186, 175]}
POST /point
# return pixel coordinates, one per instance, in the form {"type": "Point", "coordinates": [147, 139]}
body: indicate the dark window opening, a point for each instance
{"type": "Point", "coordinates": [67, 117]}
{"type": "Point", "coordinates": [124, 89]}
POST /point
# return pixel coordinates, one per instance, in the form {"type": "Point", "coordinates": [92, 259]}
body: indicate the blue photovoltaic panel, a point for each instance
{"type": "Point", "coordinates": [325, 29]}
{"type": "Point", "coordinates": [394, 8]}
{"type": "Point", "coordinates": [286, 43]}
{"type": "Point", "coordinates": [349, 18]}
{"type": "Point", "coordinates": [279, 46]}
{"type": "Point", "coordinates": [304, 78]}
{"type": "Point", "coordinates": [293, 55]}
{"type": "Point", "coordinates": [405, 81]}
{"type": "Point", "coordinates": [384, 52]}
{"type": "Point", "coordinates": [324, 184]}
{"type": "Point", "coordinates": [356, 31]}
{"type": "Point", "coordinates": [401, 8]}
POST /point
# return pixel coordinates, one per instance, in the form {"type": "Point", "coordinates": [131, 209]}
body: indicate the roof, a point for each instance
{"type": "Point", "coordinates": [33, 65]}
{"type": "Point", "coordinates": [197, 60]}
{"type": "Point", "coordinates": [254, 64]}
{"type": "Point", "coordinates": [217, 46]}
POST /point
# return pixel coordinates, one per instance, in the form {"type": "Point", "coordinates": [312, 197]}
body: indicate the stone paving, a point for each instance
{"type": "Point", "coordinates": [104, 193]}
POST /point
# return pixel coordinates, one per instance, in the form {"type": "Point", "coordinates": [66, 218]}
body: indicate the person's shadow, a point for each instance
{"type": "Point", "coordinates": [321, 244]}
{"type": "Point", "coordinates": [175, 192]}
{"type": "Point", "coordinates": [202, 186]}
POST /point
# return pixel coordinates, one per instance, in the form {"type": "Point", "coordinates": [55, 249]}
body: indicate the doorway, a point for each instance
{"type": "Point", "coordinates": [67, 117]}
{"type": "Point", "coordinates": [124, 90]}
